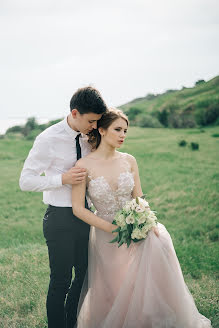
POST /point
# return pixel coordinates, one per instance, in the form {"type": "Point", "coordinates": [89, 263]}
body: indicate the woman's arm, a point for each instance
{"type": "Point", "coordinates": [137, 191]}
{"type": "Point", "coordinates": [79, 210]}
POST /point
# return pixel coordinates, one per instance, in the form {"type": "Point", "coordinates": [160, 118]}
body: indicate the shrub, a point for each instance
{"type": "Point", "coordinates": [182, 143]}
{"type": "Point", "coordinates": [199, 82]}
{"type": "Point", "coordinates": [194, 145]}
{"type": "Point", "coordinates": [132, 113]}
{"type": "Point", "coordinates": [15, 129]}
{"type": "Point", "coordinates": [174, 120]}
{"type": "Point", "coordinates": [200, 116]}
{"type": "Point", "coordinates": [215, 135]}
{"type": "Point", "coordinates": [209, 115]}
{"type": "Point", "coordinates": [150, 96]}
{"type": "Point", "coordinates": [148, 121]}
{"type": "Point", "coordinates": [33, 134]}
{"type": "Point", "coordinates": [187, 121]}
{"type": "Point", "coordinates": [163, 117]}
{"type": "Point", "coordinates": [52, 122]}
{"type": "Point", "coordinates": [212, 113]}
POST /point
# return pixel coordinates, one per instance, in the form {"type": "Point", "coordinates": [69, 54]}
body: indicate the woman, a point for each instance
{"type": "Point", "coordinates": [137, 287]}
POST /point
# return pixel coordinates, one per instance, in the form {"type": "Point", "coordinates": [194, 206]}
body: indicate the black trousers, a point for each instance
{"type": "Point", "coordinates": [67, 240]}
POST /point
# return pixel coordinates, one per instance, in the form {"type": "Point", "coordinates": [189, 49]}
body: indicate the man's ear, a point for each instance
{"type": "Point", "coordinates": [74, 113]}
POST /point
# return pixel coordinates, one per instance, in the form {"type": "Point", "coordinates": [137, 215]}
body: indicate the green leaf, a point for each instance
{"type": "Point", "coordinates": [121, 243]}
{"type": "Point", "coordinates": [117, 229]}
{"type": "Point", "coordinates": [128, 243]}
{"type": "Point", "coordinates": [143, 196]}
{"type": "Point", "coordinates": [137, 201]}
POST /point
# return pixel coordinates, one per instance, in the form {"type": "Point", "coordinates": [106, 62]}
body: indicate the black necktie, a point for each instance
{"type": "Point", "coordinates": [78, 147]}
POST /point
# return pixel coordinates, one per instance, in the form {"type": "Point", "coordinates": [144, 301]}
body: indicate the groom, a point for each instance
{"type": "Point", "coordinates": [55, 152]}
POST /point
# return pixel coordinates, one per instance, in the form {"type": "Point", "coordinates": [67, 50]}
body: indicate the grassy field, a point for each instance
{"type": "Point", "coordinates": [181, 185]}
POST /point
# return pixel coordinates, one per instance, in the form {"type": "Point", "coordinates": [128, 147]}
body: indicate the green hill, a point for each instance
{"type": "Point", "coordinates": [188, 107]}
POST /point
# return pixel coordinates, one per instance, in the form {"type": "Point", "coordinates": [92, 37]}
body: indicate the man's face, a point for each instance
{"type": "Point", "coordinates": [87, 122]}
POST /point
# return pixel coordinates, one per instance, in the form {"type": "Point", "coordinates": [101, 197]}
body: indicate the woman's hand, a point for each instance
{"type": "Point", "coordinates": [156, 231]}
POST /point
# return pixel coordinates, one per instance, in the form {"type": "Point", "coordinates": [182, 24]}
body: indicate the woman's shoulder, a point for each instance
{"type": "Point", "coordinates": [84, 162]}
{"type": "Point", "coordinates": [129, 157]}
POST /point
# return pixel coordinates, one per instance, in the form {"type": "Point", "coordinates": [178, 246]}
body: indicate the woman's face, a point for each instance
{"type": "Point", "coordinates": [116, 133]}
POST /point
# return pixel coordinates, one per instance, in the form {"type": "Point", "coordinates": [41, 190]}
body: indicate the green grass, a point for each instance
{"type": "Point", "coordinates": [181, 185]}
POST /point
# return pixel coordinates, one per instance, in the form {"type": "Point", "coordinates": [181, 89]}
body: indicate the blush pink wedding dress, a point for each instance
{"type": "Point", "coordinates": [137, 287]}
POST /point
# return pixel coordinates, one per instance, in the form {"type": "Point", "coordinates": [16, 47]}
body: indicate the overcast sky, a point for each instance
{"type": "Point", "coordinates": [126, 49]}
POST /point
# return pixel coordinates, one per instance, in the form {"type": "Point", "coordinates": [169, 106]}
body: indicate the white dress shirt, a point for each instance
{"type": "Point", "coordinates": [53, 153]}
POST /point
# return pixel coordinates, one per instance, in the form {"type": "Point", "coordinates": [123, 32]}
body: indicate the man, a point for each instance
{"type": "Point", "coordinates": [55, 152]}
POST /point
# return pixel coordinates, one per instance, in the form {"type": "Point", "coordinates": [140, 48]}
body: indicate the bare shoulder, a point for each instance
{"type": "Point", "coordinates": [130, 158]}
{"type": "Point", "coordinates": [84, 162]}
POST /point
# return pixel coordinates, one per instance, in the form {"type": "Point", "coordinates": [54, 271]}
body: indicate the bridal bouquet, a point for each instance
{"type": "Point", "coordinates": [134, 221]}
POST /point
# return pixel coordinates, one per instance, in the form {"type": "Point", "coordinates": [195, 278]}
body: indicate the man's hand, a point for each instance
{"type": "Point", "coordinates": [74, 176]}
{"type": "Point", "coordinates": [156, 231]}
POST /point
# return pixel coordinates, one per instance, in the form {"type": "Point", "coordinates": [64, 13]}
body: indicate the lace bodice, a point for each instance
{"type": "Point", "coordinates": [106, 200]}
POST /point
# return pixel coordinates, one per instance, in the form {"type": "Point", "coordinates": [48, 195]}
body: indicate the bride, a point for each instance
{"type": "Point", "coordinates": [137, 287]}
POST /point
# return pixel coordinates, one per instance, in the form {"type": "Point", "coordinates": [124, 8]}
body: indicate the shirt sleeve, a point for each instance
{"type": "Point", "coordinates": [38, 160]}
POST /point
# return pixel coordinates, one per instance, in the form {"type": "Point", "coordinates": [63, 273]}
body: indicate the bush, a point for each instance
{"type": "Point", "coordinates": [194, 146]}
{"type": "Point", "coordinates": [150, 96]}
{"type": "Point", "coordinates": [174, 120]}
{"type": "Point", "coordinates": [182, 143]}
{"type": "Point", "coordinates": [15, 129]}
{"type": "Point", "coordinates": [199, 82]}
{"type": "Point", "coordinates": [187, 121]}
{"type": "Point", "coordinates": [209, 115]}
{"type": "Point", "coordinates": [163, 117]}
{"type": "Point", "coordinates": [132, 113]}
{"type": "Point", "coordinates": [212, 113]}
{"type": "Point", "coordinates": [30, 125]}
{"type": "Point", "coordinates": [147, 121]}
{"type": "Point", "coordinates": [33, 134]}
{"type": "Point", "coordinates": [54, 122]}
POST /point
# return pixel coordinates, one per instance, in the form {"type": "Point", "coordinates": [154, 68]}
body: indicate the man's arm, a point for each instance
{"type": "Point", "coordinates": [40, 159]}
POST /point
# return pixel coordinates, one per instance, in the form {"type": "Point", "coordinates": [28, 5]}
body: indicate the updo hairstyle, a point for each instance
{"type": "Point", "coordinates": [112, 114]}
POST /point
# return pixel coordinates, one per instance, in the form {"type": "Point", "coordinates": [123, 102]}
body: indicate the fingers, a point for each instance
{"type": "Point", "coordinates": [78, 169]}
{"type": "Point", "coordinates": [156, 231]}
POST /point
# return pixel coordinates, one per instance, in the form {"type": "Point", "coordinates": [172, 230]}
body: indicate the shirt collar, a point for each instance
{"type": "Point", "coordinates": [69, 130]}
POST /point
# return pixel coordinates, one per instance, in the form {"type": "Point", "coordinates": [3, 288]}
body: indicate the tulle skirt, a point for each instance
{"type": "Point", "coordinates": [137, 287]}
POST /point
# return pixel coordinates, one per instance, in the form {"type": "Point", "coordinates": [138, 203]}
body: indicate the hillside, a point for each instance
{"type": "Point", "coordinates": [188, 107]}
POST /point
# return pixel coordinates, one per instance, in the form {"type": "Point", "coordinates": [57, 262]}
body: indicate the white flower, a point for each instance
{"type": "Point", "coordinates": [127, 207]}
{"type": "Point", "coordinates": [133, 204]}
{"type": "Point", "coordinates": [130, 219]}
{"type": "Point", "coordinates": [141, 206]}
{"type": "Point", "coordinates": [143, 203]}
{"type": "Point", "coordinates": [139, 209]}
{"type": "Point", "coordinates": [120, 221]}
{"type": "Point", "coordinates": [145, 229]}
{"type": "Point", "coordinates": [137, 234]}
{"type": "Point", "coordinates": [142, 219]}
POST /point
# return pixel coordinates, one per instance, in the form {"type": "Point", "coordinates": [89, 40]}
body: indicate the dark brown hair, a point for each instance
{"type": "Point", "coordinates": [106, 120]}
{"type": "Point", "coordinates": [88, 100]}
